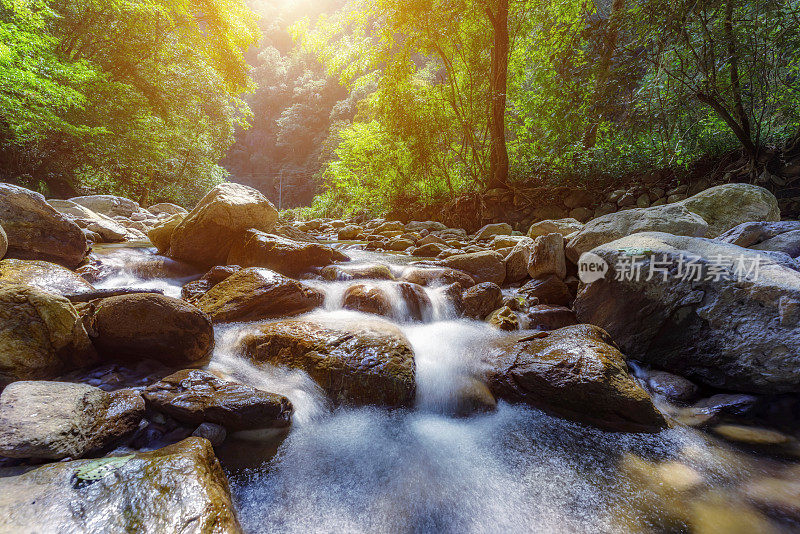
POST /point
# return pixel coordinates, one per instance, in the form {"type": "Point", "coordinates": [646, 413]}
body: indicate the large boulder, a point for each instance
{"type": "Point", "coordinates": [205, 236]}
{"type": "Point", "coordinates": [356, 362]}
{"type": "Point", "coordinates": [574, 372]}
{"type": "Point", "coordinates": [180, 488]}
{"type": "Point", "coordinates": [255, 293]}
{"type": "Point", "coordinates": [368, 298]}
{"type": "Point", "coordinates": [41, 335]}
{"type": "Point", "coordinates": [161, 234]}
{"type": "Point", "coordinates": [56, 420]}
{"type": "Point", "coordinates": [3, 243]}
{"type": "Point", "coordinates": [108, 205]}
{"type": "Point", "coordinates": [193, 396]}
{"type": "Point", "coordinates": [671, 219]}
{"type": "Point", "coordinates": [726, 206]}
{"type": "Point", "coordinates": [258, 249]}
{"type": "Point", "coordinates": [165, 208]}
{"type": "Point", "coordinates": [36, 231]}
{"type": "Point", "coordinates": [723, 315]}
{"type": "Point", "coordinates": [106, 227]}
{"type": "Point", "coordinates": [150, 326]}
{"type": "Point", "coordinates": [43, 275]}
{"type": "Point", "coordinates": [547, 257]}
{"type": "Point", "coordinates": [437, 276]}
{"type": "Point", "coordinates": [486, 266]}
{"type": "Point", "coordinates": [369, 271]}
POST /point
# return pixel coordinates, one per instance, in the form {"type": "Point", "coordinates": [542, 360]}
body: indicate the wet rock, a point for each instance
{"type": "Point", "coordinates": [776, 496]}
{"type": "Point", "coordinates": [491, 230]}
{"type": "Point", "coordinates": [219, 221]}
{"type": "Point", "coordinates": [161, 234]}
{"type": "Point", "coordinates": [481, 300]}
{"type": "Point", "coordinates": [36, 231]}
{"type": "Point", "coordinates": [193, 396]}
{"type": "Point", "coordinates": [41, 335]}
{"type": "Point", "coordinates": [729, 329]}
{"type": "Point", "coordinates": [752, 233]}
{"type": "Point", "coordinates": [254, 293]}
{"type": "Point", "coordinates": [547, 257]}
{"type": "Point", "coordinates": [399, 244]}
{"type": "Point", "coordinates": [729, 205]}
{"type": "Point", "coordinates": [433, 276]}
{"type": "Point", "coordinates": [192, 291]}
{"type": "Point", "coordinates": [576, 373]}
{"type": "Point", "coordinates": [180, 488]}
{"type": "Point", "coordinates": [788, 243]}
{"type": "Point", "coordinates": [3, 243]}
{"type": "Point", "coordinates": [355, 362]}
{"type": "Point", "coordinates": [484, 266]}
{"type": "Point", "coordinates": [718, 512]}
{"type": "Point", "coordinates": [350, 233]}
{"type": "Point", "coordinates": [136, 327]}
{"type": "Point", "coordinates": [673, 387]}
{"type": "Point", "coordinates": [282, 255]}
{"type": "Point", "coordinates": [55, 420]}
{"type": "Point", "coordinates": [357, 272]}
{"type": "Point", "coordinates": [517, 262]}
{"type": "Point", "coordinates": [548, 317]}
{"type": "Point", "coordinates": [504, 319]}
{"type": "Point", "coordinates": [548, 290]}
{"type": "Point", "coordinates": [751, 435]}
{"type": "Point", "coordinates": [216, 434]}
{"type": "Point", "coordinates": [417, 304]}
{"type": "Point", "coordinates": [49, 277]}
{"type": "Point", "coordinates": [368, 299]}
{"type": "Point", "coordinates": [671, 219]}
{"type": "Point", "coordinates": [731, 404]}
{"type": "Point", "coordinates": [473, 396]}
{"type": "Point", "coordinates": [431, 250]}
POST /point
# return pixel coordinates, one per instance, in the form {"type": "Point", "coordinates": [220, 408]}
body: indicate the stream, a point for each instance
{"type": "Point", "coordinates": [514, 469]}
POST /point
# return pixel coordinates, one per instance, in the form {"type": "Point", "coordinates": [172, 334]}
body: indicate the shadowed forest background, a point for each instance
{"type": "Point", "coordinates": [380, 105]}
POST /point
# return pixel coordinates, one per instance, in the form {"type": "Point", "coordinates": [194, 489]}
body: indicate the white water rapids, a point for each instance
{"type": "Point", "coordinates": [423, 470]}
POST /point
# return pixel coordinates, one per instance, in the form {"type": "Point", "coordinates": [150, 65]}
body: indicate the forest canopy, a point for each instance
{"type": "Point", "coordinates": [379, 104]}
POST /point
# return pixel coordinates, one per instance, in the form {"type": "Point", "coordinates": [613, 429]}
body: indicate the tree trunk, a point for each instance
{"type": "Point", "coordinates": [736, 87]}
{"type": "Point", "coordinates": [498, 85]}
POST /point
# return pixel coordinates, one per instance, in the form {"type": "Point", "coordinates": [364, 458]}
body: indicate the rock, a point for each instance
{"type": "Point", "coordinates": [547, 257]}
{"type": "Point", "coordinates": [431, 226]}
{"type": "Point", "coordinates": [399, 244]}
{"type": "Point", "coordinates": [180, 488]}
{"type": "Point", "coordinates": [753, 233]}
{"type": "Point", "coordinates": [643, 201]}
{"type": "Point", "coordinates": [485, 266]}
{"type": "Point", "coordinates": [548, 290]}
{"type": "Point", "coordinates": [373, 271]}
{"type": "Point", "coordinates": [673, 387]}
{"type": "Point", "coordinates": [368, 299]}
{"type": "Point", "coordinates": [672, 219]}
{"type": "Point", "coordinates": [576, 373]}
{"type": "Point", "coordinates": [604, 209]}
{"type": "Point", "coordinates": [726, 206]}
{"type": "Point", "coordinates": [166, 208]}
{"type": "Point", "coordinates": [350, 232]}
{"type": "Point", "coordinates": [216, 434]}
{"type": "Point", "coordinates": [254, 293]}
{"type": "Point", "coordinates": [49, 277]}
{"type": "Point", "coordinates": [500, 242]}
{"type": "Point", "coordinates": [491, 230]}
{"type": "Point", "coordinates": [581, 214]}
{"type": "Point", "coordinates": [481, 300]}
{"type": "Point", "coordinates": [192, 291]}
{"type": "Point", "coordinates": [504, 319]}
{"type": "Point", "coordinates": [193, 396]}
{"type": "Point", "coordinates": [41, 335]}
{"type": "Point", "coordinates": [417, 305]}
{"type": "Point", "coordinates": [36, 231]}
{"type": "Point", "coordinates": [287, 257]}
{"type": "Point", "coordinates": [3, 243]}
{"type": "Point", "coordinates": [751, 435]}
{"type": "Point", "coordinates": [359, 362]}
{"type": "Point", "coordinates": [546, 317]}
{"type": "Point", "coordinates": [433, 239]}
{"type": "Point", "coordinates": [579, 198]}
{"type": "Point", "coordinates": [433, 276]}
{"type": "Point", "coordinates": [218, 221]}
{"type": "Point", "coordinates": [517, 262]}
{"type": "Point", "coordinates": [150, 326]}
{"type": "Point", "coordinates": [431, 250]}
{"type": "Point", "coordinates": [107, 228]}
{"type": "Point", "coordinates": [729, 404]}
{"type": "Point", "coordinates": [732, 327]}
{"type": "Point", "coordinates": [108, 205]}
{"type": "Point", "coordinates": [389, 226]}
{"type": "Point", "coordinates": [55, 420]}
{"type": "Point", "coordinates": [161, 234]}
{"type": "Point", "coordinates": [788, 243]}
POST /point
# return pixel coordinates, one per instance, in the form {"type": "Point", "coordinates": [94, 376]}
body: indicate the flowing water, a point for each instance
{"type": "Point", "coordinates": [514, 469]}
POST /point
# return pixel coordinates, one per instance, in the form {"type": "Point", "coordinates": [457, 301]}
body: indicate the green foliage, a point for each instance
{"type": "Point", "coordinates": [135, 97]}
